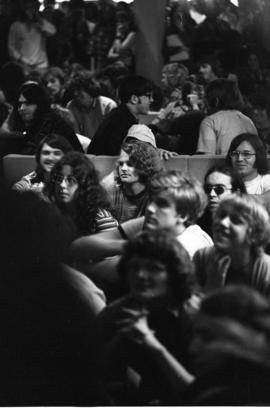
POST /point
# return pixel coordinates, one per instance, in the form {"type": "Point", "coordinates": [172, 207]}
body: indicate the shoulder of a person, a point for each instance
{"type": "Point", "coordinates": [107, 101]}
{"type": "Point", "coordinates": [205, 252]}
{"type": "Point", "coordinates": [195, 229]}
{"type": "Point", "coordinates": [134, 225]}
{"type": "Point", "coordinates": [81, 282]}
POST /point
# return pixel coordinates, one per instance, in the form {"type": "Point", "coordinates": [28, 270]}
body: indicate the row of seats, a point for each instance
{"type": "Point", "coordinates": [16, 166]}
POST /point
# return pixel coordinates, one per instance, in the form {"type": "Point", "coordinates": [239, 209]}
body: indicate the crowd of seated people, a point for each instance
{"type": "Point", "coordinates": [146, 287]}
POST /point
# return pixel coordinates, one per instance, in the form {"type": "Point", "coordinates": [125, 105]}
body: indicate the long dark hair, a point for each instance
{"type": "Point", "coordinates": [90, 195]}
{"type": "Point", "coordinates": [257, 144]}
{"type": "Point", "coordinates": [34, 93]}
{"type": "Point", "coordinates": [223, 94]}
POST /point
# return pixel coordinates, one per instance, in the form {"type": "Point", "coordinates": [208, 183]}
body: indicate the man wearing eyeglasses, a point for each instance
{"type": "Point", "coordinates": [135, 94]}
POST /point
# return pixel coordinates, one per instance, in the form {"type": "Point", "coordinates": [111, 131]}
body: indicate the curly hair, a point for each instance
{"type": "Point", "coordinates": [251, 209]}
{"type": "Point", "coordinates": [145, 159]}
{"type": "Point", "coordinates": [89, 197]}
{"type": "Point", "coordinates": [261, 163]}
{"type": "Point", "coordinates": [161, 245]}
{"type": "Point", "coordinates": [184, 191]}
{"type": "Point", "coordinates": [84, 80]}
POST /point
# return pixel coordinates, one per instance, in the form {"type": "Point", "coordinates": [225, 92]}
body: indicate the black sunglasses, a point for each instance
{"type": "Point", "coordinates": [219, 190]}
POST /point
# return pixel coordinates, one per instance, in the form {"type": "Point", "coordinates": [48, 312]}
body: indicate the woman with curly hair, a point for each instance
{"type": "Point", "coordinates": [137, 164]}
{"type": "Point", "coordinates": [75, 188]}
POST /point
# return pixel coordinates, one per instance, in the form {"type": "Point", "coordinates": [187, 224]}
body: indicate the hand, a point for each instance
{"type": "Point", "coordinates": [140, 333]}
{"type": "Point", "coordinates": [166, 155]}
{"type": "Point", "coordinates": [193, 100]}
{"type": "Point", "coordinates": [127, 317]}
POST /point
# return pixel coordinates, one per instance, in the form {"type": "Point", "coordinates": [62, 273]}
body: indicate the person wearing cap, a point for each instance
{"type": "Point", "coordinates": [143, 133]}
{"type": "Point", "coordinates": [137, 164]}
{"type": "Point", "coordinates": [137, 132]}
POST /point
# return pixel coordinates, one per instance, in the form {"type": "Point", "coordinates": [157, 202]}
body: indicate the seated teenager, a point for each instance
{"type": "Point", "coordinates": [49, 151]}
{"type": "Point", "coordinates": [32, 118]}
{"type": "Point", "coordinates": [137, 163]}
{"type": "Point", "coordinates": [219, 181]}
{"type": "Point", "coordinates": [148, 328]}
{"type": "Point", "coordinates": [247, 155]}
{"type": "Point", "coordinates": [176, 201]}
{"type": "Point", "coordinates": [74, 187]}
{"type": "Point", "coordinates": [241, 232]}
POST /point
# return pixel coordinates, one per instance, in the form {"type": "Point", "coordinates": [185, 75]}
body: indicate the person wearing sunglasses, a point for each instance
{"type": "Point", "coordinates": [219, 181]}
{"type": "Point", "coordinates": [247, 155]}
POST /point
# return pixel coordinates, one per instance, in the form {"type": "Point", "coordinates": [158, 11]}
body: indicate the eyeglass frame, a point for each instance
{"type": "Point", "coordinates": [58, 179]}
{"type": "Point", "coordinates": [245, 155]}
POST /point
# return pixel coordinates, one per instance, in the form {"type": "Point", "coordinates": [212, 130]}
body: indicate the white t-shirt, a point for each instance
{"type": "Point", "coordinates": [259, 185]}
{"type": "Point", "coordinates": [219, 129]}
{"type": "Point", "coordinates": [194, 238]}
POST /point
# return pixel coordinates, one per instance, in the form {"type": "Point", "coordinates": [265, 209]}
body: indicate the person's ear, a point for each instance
{"type": "Point", "coordinates": [181, 219]}
{"type": "Point", "coordinates": [134, 99]}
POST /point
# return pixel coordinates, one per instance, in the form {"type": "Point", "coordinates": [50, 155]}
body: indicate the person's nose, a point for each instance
{"type": "Point", "coordinates": [142, 273]}
{"type": "Point", "coordinates": [212, 193]}
{"type": "Point", "coordinates": [225, 221]}
{"type": "Point", "coordinates": [124, 166]}
{"type": "Point", "coordinates": [151, 208]}
{"type": "Point", "coordinates": [64, 183]}
{"type": "Point", "coordinates": [22, 106]}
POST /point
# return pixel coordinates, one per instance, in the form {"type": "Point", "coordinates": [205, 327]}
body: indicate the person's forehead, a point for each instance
{"type": "Point", "coordinates": [218, 178]}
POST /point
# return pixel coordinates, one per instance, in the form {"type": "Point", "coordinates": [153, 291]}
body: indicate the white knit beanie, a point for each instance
{"type": "Point", "coordinates": [142, 133]}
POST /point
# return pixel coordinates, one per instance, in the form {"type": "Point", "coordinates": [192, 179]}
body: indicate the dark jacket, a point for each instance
{"type": "Point", "coordinates": [111, 133]}
{"type": "Point", "coordinates": [50, 123]}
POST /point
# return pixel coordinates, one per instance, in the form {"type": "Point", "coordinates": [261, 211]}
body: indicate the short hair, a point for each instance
{"type": "Point", "coordinates": [161, 245]}
{"type": "Point", "coordinates": [54, 72]}
{"type": "Point", "coordinates": [214, 62]}
{"type": "Point", "coordinates": [223, 94]}
{"type": "Point", "coordinates": [133, 85]}
{"type": "Point", "coordinates": [255, 141]}
{"type": "Point", "coordinates": [255, 214]}
{"type": "Point", "coordinates": [144, 157]}
{"type": "Point", "coordinates": [183, 190]}
{"type": "Point", "coordinates": [90, 195]}
{"type": "Point", "coordinates": [84, 80]}
{"type": "Point", "coordinates": [54, 141]}
{"type": "Point", "coordinates": [236, 180]}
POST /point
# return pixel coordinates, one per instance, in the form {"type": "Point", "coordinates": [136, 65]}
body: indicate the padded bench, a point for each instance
{"type": "Point", "coordinates": [16, 166]}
